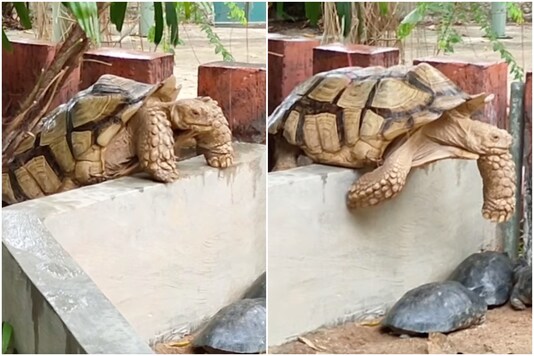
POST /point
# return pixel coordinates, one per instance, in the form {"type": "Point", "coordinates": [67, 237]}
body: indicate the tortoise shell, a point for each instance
{"type": "Point", "coordinates": [362, 110]}
{"type": "Point", "coordinates": [436, 307]}
{"type": "Point", "coordinates": [236, 328]}
{"type": "Point", "coordinates": [72, 137]}
{"type": "Point", "coordinates": [521, 296]}
{"type": "Point", "coordinates": [489, 274]}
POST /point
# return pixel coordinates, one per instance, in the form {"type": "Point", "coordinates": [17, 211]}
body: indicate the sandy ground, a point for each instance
{"type": "Point", "coordinates": [245, 44]}
{"type": "Point", "coordinates": [505, 331]}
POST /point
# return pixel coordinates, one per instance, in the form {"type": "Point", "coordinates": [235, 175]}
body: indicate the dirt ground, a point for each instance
{"type": "Point", "coordinates": [505, 331]}
{"type": "Point", "coordinates": [245, 44]}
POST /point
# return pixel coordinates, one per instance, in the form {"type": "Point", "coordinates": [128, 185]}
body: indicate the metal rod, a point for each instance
{"type": "Point", "coordinates": [517, 126]}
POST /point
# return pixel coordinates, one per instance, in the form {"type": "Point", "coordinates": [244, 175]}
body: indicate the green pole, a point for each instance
{"type": "Point", "coordinates": [517, 126]}
{"type": "Point", "coordinates": [498, 18]}
{"type": "Point", "coordinates": [146, 20]}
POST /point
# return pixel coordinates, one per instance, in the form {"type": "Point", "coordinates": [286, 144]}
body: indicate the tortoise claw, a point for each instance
{"type": "Point", "coordinates": [221, 161]}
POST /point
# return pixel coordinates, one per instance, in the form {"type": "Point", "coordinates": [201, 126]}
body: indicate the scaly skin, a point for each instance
{"type": "Point", "coordinates": [155, 145]}
{"type": "Point", "coordinates": [460, 137]}
{"type": "Point", "coordinates": [498, 175]}
{"type": "Point", "coordinates": [383, 183]}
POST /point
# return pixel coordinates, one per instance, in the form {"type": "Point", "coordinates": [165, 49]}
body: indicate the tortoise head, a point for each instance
{"type": "Point", "coordinates": [192, 114]}
{"type": "Point", "coordinates": [457, 128]}
{"type": "Point", "coordinates": [480, 137]}
{"type": "Point", "coordinates": [486, 139]}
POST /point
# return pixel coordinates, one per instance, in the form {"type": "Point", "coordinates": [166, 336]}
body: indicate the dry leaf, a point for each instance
{"type": "Point", "coordinates": [310, 344]}
{"type": "Point", "coordinates": [180, 343]}
{"type": "Point", "coordinates": [375, 322]}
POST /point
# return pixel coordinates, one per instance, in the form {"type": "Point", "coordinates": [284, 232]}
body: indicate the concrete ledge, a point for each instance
{"type": "Point", "coordinates": [167, 256]}
{"type": "Point", "coordinates": [53, 305]}
{"type": "Point", "coordinates": [328, 265]}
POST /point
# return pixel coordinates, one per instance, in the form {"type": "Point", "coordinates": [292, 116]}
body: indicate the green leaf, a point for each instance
{"type": "Point", "coordinates": [117, 12]}
{"type": "Point", "coordinates": [344, 13]}
{"type": "Point", "coordinates": [24, 14]}
{"type": "Point", "coordinates": [411, 20]}
{"type": "Point", "coordinates": [187, 10]}
{"type": "Point", "coordinates": [515, 12]}
{"type": "Point", "coordinates": [158, 20]}
{"type": "Point", "coordinates": [313, 12]}
{"type": "Point", "coordinates": [6, 45]}
{"type": "Point", "coordinates": [7, 333]}
{"type": "Point", "coordinates": [280, 10]}
{"type": "Point", "coordinates": [172, 21]}
{"type": "Point", "coordinates": [86, 13]}
{"type": "Point", "coordinates": [151, 34]}
{"type": "Point", "coordinates": [383, 7]}
{"type": "Point", "coordinates": [237, 13]}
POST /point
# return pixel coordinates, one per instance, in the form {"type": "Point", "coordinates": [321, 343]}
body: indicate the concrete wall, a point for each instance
{"type": "Point", "coordinates": [52, 304]}
{"type": "Point", "coordinates": [167, 256]}
{"type": "Point", "coordinates": [328, 265]}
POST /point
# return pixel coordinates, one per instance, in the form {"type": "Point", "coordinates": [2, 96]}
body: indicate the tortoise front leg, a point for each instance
{"type": "Point", "coordinates": [155, 145]}
{"type": "Point", "coordinates": [383, 183]}
{"type": "Point", "coordinates": [216, 144]}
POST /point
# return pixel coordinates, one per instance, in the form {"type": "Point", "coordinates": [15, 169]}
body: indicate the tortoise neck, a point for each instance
{"type": "Point", "coordinates": [455, 129]}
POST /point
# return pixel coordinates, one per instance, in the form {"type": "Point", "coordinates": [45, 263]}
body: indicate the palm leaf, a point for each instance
{"type": "Point", "coordinates": [7, 333]}
{"type": "Point", "coordinates": [86, 13]}
{"type": "Point", "coordinates": [6, 45]}
{"type": "Point", "coordinates": [158, 21]}
{"type": "Point", "coordinates": [24, 14]}
{"type": "Point", "coordinates": [117, 12]}
{"type": "Point", "coordinates": [172, 21]}
{"type": "Point", "coordinates": [313, 12]}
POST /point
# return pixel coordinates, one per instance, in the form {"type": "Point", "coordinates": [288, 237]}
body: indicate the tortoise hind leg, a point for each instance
{"type": "Point", "coordinates": [285, 154]}
{"type": "Point", "coordinates": [155, 145]}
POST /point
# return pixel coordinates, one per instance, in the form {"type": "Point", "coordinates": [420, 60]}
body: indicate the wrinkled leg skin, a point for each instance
{"type": "Point", "coordinates": [383, 183]}
{"type": "Point", "coordinates": [155, 145]}
{"type": "Point", "coordinates": [285, 154]}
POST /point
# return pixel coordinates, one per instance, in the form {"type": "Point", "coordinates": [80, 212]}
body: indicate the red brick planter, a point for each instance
{"type": "Point", "coordinates": [336, 55]}
{"type": "Point", "coordinates": [21, 69]}
{"type": "Point", "coordinates": [146, 67]}
{"type": "Point", "coordinates": [290, 63]}
{"type": "Point", "coordinates": [239, 88]}
{"type": "Point", "coordinates": [476, 77]}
